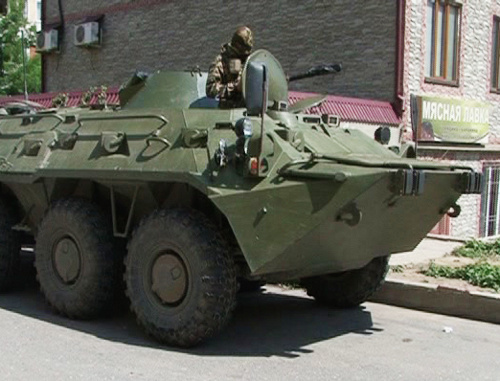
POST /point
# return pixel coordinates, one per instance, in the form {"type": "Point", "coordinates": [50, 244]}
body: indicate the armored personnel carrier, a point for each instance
{"type": "Point", "coordinates": [184, 200]}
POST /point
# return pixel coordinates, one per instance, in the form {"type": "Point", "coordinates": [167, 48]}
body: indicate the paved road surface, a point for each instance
{"type": "Point", "coordinates": [273, 336]}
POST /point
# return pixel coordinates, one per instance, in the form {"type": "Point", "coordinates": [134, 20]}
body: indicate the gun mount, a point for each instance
{"type": "Point", "coordinates": [317, 71]}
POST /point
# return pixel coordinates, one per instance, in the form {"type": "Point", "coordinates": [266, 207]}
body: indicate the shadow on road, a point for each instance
{"type": "Point", "coordinates": [263, 324]}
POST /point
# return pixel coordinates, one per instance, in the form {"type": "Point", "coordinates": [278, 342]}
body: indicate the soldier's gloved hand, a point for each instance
{"type": "Point", "coordinates": [238, 83]}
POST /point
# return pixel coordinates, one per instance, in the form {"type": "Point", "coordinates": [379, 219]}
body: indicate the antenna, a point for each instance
{"type": "Point", "coordinates": [263, 113]}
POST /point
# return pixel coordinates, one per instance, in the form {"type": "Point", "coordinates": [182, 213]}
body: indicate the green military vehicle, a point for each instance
{"type": "Point", "coordinates": [185, 201]}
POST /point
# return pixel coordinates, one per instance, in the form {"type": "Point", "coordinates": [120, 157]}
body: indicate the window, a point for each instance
{"type": "Point", "coordinates": [4, 6]}
{"type": "Point", "coordinates": [495, 75]}
{"type": "Point", "coordinates": [441, 54]}
{"type": "Point", "coordinates": [490, 208]}
{"type": "Point", "coordinates": [39, 15]}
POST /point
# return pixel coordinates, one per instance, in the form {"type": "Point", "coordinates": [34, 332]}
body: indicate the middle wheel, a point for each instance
{"type": "Point", "coordinates": [181, 278]}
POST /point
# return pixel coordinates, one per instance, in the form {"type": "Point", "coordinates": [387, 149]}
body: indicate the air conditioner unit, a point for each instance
{"type": "Point", "coordinates": [87, 34]}
{"type": "Point", "coordinates": [47, 41]}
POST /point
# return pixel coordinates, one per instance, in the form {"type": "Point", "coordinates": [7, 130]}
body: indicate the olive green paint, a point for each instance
{"type": "Point", "coordinates": [328, 199]}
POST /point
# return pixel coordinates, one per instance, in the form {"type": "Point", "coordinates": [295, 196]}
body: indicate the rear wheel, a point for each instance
{"type": "Point", "coordinates": [180, 276]}
{"type": "Point", "coordinates": [10, 246]}
{"type": "Point", "coordinates": [77, 262]}
{"type": "Point", "coordinates": [348, 288]}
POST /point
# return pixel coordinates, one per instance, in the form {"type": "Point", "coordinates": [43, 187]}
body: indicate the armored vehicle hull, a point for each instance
{"type": "Point", "coordinates": [203, 197]}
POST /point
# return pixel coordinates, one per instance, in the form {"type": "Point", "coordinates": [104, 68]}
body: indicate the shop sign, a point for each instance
{"type": "Point", "coordinates": [450, 120]}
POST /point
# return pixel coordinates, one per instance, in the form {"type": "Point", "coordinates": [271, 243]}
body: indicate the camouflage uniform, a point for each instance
{"type": "Point", "coordinates": [221, 81]}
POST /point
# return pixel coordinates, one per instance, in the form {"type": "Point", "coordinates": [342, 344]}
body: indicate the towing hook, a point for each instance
{"type": "Point", "coordinates": [350, 214]}
{"type": "Point", "coordinates": [453, 211]}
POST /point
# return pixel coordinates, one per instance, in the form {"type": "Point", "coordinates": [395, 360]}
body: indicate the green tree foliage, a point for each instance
{"type": "Point", "coordinates": [12, 75]}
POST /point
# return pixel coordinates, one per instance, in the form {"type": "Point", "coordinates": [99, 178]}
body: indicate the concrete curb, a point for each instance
{"type": "Point", "coordinates": [438, 299]}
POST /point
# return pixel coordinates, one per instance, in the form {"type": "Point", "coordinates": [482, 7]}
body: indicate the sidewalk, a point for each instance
{"type": "Point", "coordinates": [427, 250]}
{"type": "Point", "coordinates": [436, 298]}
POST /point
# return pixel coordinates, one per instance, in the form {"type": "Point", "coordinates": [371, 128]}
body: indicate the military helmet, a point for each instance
{"type": "Point", "coordinates": [242, 41]}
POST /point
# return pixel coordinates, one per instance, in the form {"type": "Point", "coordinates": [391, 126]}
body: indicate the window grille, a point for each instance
{"type": "Point", "coordinates": [490, 208]}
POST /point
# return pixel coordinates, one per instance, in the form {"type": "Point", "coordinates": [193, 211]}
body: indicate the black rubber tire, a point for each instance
{"type": "Point", "coordinates": [250, 286]}
{"type": "Point", "coordinates": [98, 282]}
{"type": "Point", "coordinates": [211, 283]}
{"type": "Point", "coordinates": [349, 288]}
{"type": "Point", "coordinates": [10, 246]}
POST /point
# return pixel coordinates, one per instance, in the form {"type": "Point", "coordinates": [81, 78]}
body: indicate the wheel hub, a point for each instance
{"type": "Point", "coordinates": [67, 260]}
{"type": "Point", "coordinates": [169, 278]}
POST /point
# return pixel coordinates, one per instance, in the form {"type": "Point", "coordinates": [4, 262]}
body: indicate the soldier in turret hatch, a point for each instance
{"type": "Point", "coordinates": [224, 75]}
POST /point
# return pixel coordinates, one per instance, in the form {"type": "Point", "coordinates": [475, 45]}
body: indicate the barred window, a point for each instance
{"type": "Point", "coordinates": [442, 36]}
{"type": "Point", "coordinates": [495, 75]}
{"type": "Point", "coordinates": [490, 208]}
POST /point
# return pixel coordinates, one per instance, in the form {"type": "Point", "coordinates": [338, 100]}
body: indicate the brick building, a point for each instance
{"type": "Point", "coordinates": [433, 65]}
{"type": "Point", "coordinates": [152, 34]}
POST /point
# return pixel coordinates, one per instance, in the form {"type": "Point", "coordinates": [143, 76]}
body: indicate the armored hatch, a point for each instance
{"type": "Point", "coordinates": [277, 82]}
{"type": "Point", "coordinates": [170, 89]}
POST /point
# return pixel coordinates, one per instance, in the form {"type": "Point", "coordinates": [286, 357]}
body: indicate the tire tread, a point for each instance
{"type": "Point", "coordinates": [10, 246]}
{"type": "Point", "coordinates": [96, 297]}
{"type": "Point", "coordinates": [219, 283]}
{"type": "Point", "coordinates": [352, 288]}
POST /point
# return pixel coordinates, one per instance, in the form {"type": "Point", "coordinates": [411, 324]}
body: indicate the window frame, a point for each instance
{"type": "Point", "coordinates": [4, 7]}
{"type": "Point", "coordinates": [495, 56]}
{"type": "Point", "coordinates": [490, 203]}
{"type": "Point", "coordinates": [435, 61]}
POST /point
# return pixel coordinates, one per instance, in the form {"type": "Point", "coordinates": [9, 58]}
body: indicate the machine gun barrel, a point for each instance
{"type": "Point", "coordinates": [316, 71]}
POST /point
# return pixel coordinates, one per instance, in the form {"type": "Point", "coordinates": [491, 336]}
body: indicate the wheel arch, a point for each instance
{"type": "Point", "coordinates": [125, 203]}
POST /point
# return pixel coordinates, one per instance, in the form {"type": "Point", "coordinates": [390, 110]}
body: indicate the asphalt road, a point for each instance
{"type": "Point", "coordinates": [273, 336]}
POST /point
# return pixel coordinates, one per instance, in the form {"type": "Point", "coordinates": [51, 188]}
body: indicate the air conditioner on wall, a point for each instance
{"type": "Point", "coordinates": [87, 34]}
{"type": "Point", "coordinates": [47, 41]}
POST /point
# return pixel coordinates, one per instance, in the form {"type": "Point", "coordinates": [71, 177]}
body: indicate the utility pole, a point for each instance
{"type": "Point", "coordinates": [24, 66]}
{"type": "Point", "coordinates": [4, 9]}
{"type": "Point", "coordinates": [3, 12]}
{"type": "Point", "coordinates": [2, 73]}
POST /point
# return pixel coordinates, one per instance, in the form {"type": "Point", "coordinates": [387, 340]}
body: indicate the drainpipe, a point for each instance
{"type": "Point", "coordinates": [400, 64]}
{"type": "Point", "coordinates": [44, 65]}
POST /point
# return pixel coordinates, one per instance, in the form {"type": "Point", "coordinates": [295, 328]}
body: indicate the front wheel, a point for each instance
{"type": "Point", "coordinates": [348, 288]}
{"type": "Point", "coordinates": [181, 278]}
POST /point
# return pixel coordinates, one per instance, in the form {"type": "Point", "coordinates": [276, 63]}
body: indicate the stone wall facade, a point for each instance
{"type": "Point", "coordinates": [150, 35]}
{"type": "Point", "coordinates": [474, 78]}
{"type": "Point", "coordinates": [475, 52]}
{"type": "Point", "coordinates": [468, 223]}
